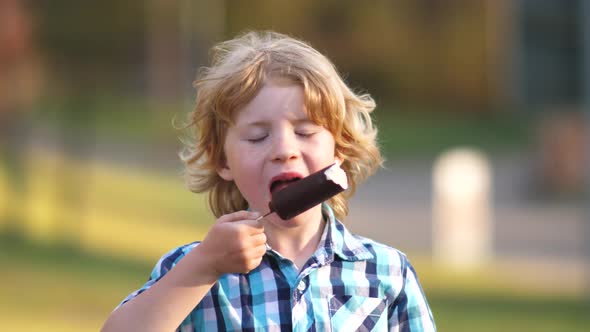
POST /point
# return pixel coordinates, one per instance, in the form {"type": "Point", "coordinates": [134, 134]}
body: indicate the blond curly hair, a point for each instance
{"type": "Point", "coordinates": [238, 70]}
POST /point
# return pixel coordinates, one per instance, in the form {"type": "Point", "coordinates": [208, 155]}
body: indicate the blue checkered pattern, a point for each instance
{"type": "Point", "coordinates": [349, 284]}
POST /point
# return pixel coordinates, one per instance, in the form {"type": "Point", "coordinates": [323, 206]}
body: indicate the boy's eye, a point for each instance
{"type": "Point", "coordinates": [307, 129]}
{"type": "Point", "coordinates": [304, 133]}
{"type": "Point", "coordinates": [256, 139]}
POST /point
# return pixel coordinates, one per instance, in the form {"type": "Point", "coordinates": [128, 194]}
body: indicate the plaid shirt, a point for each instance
{"type": "Point", "coordinates": [349, 284]}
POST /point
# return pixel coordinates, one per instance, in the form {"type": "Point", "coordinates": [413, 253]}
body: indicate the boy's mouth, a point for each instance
{"type": "Point", "coordinates": [281, 182]}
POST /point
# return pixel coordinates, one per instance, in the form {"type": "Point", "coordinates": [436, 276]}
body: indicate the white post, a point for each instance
{"type": "Point", "coordinates": [462, 212]}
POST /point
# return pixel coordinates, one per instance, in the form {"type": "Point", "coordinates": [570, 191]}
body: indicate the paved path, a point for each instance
{"type": "Point", "coordinates": [394, 207]}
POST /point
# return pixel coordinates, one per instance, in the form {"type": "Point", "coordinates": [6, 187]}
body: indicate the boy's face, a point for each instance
{"type": "Point", "coordinates": [273, 142]}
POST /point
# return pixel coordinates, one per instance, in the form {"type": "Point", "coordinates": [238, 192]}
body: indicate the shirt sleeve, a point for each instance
{"type": "Point", "coordinates": [165, 264]}
{"type": "Point", "coordinates": [410, 312]}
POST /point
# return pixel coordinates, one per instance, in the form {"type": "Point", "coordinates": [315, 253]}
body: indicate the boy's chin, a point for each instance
{"type": "Point", "coordinates": [275, 219]}
{"type": "Point", "coordinates": [308, 216]}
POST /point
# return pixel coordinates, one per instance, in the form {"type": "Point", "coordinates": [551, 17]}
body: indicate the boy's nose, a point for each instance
{"type": "Point", "coordinates": [284, 147]}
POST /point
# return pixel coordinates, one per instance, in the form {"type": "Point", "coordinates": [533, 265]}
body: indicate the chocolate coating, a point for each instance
{"type": "Point", "coordinates": [304, 194]}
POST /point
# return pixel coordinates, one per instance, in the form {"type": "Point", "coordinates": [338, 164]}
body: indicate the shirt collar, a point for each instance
{"type": "Point", "coordinates": [337, 240]}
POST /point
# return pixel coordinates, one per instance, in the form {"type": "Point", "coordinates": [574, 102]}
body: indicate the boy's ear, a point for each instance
{"type": "Point", "coordinates": [225, 173]}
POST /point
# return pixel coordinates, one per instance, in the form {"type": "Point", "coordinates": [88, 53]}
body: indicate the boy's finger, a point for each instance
{"type": "Point", "coordinates": [239, 215]}
{"type": "Point", "coordinates": [256, 227]}
{"type": "Point", "coordinates": [257, 252]}
{"type": "Point", "coordinates": [258, 239]}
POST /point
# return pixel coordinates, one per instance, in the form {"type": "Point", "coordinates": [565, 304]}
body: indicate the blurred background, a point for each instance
{"type": "Point", "coordinates": [483, 110]}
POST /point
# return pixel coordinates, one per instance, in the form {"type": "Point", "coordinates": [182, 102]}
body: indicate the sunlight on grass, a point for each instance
{"type": "Point", "coordinates": [498, 277]}
{"type": "Point", "coordinates": [116, 210]}
{"type": "Point", "coordinates": [48, 322]}
{"type": "Point", "coordinates": [42, 208]}
{"type": "Point", "coordinates": [142, 239]}
{"type": "Point", "coordinates": [4, 196]}
{"type": "Point", "coordinates": [145, 194]}
{"type": "Point", "coordinates": [63, 292]}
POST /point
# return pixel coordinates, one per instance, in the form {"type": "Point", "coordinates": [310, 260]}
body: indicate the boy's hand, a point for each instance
{"type": "Point", "coordinates": [234, 244]}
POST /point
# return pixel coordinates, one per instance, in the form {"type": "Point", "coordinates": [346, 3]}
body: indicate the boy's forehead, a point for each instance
{"type": "Point", "coordinates": [279, 94]}
{"type": "Point", "coordinates": [274, 98]}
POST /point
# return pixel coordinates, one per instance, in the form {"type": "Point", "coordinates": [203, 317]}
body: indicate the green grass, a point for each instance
{"type": "Point", "coordinates": [50, 288]}
{"type": "Point", "coordinates": [122, 119]}
{"type": "Point", "coordinates": [64, 289]}
{"type": "Point", "coordinates": [402, 133]}
{"type": "Point", "coordinates": [506, 312]}
{"type": "Point", "coordinates": [426, 134]}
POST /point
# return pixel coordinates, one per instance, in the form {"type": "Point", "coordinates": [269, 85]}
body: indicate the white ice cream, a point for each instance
{"type": "Point", "coordinates": [337, 175]}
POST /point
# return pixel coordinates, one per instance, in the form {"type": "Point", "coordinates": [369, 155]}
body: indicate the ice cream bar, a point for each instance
{"type": "Point", "coordinates": [308, 192]}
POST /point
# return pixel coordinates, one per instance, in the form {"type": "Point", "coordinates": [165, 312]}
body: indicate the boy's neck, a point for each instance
{"type": "Point", "coordinates": [297, 244]}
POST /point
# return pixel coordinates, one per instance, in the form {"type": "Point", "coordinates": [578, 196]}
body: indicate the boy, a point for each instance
{"type": "Point", "coordinates": [271, 110]}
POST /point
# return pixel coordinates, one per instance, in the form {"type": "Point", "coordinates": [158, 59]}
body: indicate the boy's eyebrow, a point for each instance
{"type": "Point", "coordinates": [303, 120]}
{"type": "Point", "coordinates": [263, 123]}
{"type": "Point", "coordinates": [255, 124]}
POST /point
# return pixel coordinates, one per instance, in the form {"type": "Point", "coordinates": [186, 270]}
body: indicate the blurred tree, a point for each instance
{"type": "Point", "coordinates": [551, 51]}
{"type": "Point", "coordinates": [180, 35]}
{"type": "Point", "coordinates": [164, 58]}
{"type": "Point", "coordinates": [94, 44]}
{"type": "Point", "coordinates": [19, 86]}
{"type": "Point", "coordinates": [91, 48]}
{"type": "Point", "coordinates": [425, 53]}
{"type": "Point", "coordinates": [421, 52]}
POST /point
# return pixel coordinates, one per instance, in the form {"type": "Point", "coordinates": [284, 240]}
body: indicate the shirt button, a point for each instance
{"type": "Point", "coordinates": [301, 286]}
